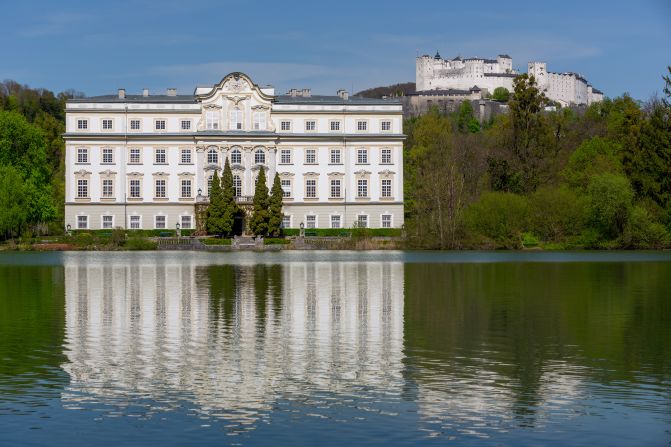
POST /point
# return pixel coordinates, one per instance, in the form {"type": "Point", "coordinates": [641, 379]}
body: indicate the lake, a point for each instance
{"type": "Point", "coordinates": [335, 348]}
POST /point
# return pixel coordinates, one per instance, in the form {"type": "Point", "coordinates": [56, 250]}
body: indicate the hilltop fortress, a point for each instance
{"type": "Point", "coordinates": [474, 77]}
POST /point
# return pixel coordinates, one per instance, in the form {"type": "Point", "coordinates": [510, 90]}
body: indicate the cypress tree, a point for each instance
{"type": "Point", "coordinates": [259, 222]}
{"type": "Point", "coordinates": [275, 208]}
{"type": "Point", "coordinates": [230, 208]}
{"type": "Point", "coordinates": [215, 211]}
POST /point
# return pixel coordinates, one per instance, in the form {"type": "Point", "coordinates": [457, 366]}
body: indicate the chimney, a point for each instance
{"type": "Point", "coordinates": [145, 92]}
{"type": "Point", "coordinates": [306, 92]}
{"type": "Point", "coordinates": [293, 92]}
{"type": "Point", "coordinates": [172, 92]}
{"type": "Point", "coordinates": [122, 93]}
{"type": "Point", "coordinates": [343, 94]}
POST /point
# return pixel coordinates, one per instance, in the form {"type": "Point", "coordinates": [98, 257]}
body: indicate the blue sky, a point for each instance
{"type": "Point", "coordinates": [97, 47]}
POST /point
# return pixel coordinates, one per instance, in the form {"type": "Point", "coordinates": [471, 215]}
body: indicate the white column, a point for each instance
{"type": "Point", "coordinates": [200, 165]}
{"type": "Point", "coordinates": [272, 163]}
{"type": "Point", "coordinates": [248, 184]}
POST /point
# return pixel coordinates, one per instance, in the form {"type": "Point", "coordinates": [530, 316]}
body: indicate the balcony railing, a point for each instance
{"type": "Point", "coordinates": [244, 199]}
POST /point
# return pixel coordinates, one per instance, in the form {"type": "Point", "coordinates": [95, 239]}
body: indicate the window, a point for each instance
{"type": "Point", "coordinates": [134, 124]}
{"type": "Point", "coordinates": [236, 119]}
{"type": "Point", "coordinates": [362, 125]}
{"type": "Point", "coordinates": [310, 221]}
{"type": "Point", "coordinates": [335, 157]}
{"type": "Point", "coordinates": [186, 222]}
{"type": "Point", "coordinates": [286, 187]}
{"type": "Point", "coordinates": [311, 189]}
{"type": "Point", "coordinates": [108, 188]}
{"type": "Point", "coordinates": [135, 222]}
{"type": "Point", "coordinates": [160, 189]}
{"type": "Point", "coordinates": [335, 126]}
{"type": "Point", "coordinates": [212, 156]}
{"type": "Point", "coordinates": [362, 221]}
{"type": "Point", "coordinates": [310, 156]}
{"type": "Point", "coordinates": [185, 124]}
{"type": "Point", "coordinates": [185, 156]}
{"type": "Point", "coordinates": [285, 125]}
{"type": "Point", "coordinates": [186, 189]}
{"type": "Point", "coordinates": [259, 157]}
{"type": "Point", "coordinates": [107, 222]}
{"type": "Point", "coordinates": [362, 156]}
{"type": "Point", "coordinates": [385, 157]}
{"type": "Point", "coordinates": [259, 120]}
{"type": "Point", "coordinates": [285, 156]}
{"type": "Point", "coordinates": [385, 126]}
{"type": "Point", "coordinates": [82, 155]}
{"type": "Point", "coordinates": [82, 188]}
{"type": "Point", "coordinates": [335, 221]}
{"type": "Point", "coordinates": [335, 188]}
{"type": "Point", "coordinates": [107, 124]}
{"type": "Point", "coordinates": [310, 125]}
{"type": "Point", "coordinates": [160, 124]}
{"type": "Point", "coordinates": [286, 221]}
{"type": "Point", "coordinates": [82, 222]}
{"type": "Point", "coordinates": [386, 188]}
{"type": "Point", "coordinates": [135, 189]}
{"type": "Point", "coordinates": [134, 156]}
{"type": "Point", "coordinates": [209, 185]}
{"type": "Point", "coordinates": [159, 156]}
{"type": "Point", "coordinates": [82, 124]}
{"type": "Point", "coordinates": [108, 155]}
{"type": "Point", "coordinates": [236, 157]}
{"type": "Point", "coordinates": [386, 221]}
{"type": "Point", "coordinates": [212, 120]}
{"type": "Point", "coordinates": [159, 222]}
{"type": "Point", "coordinates": [237, 186]}
{"type": "Point", "coordinates": [362, 188]}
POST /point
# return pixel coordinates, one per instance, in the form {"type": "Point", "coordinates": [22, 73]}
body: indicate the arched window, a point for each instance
{"type": "Point", "coordinates": [236, 157]}
{"type": "Point", "coordinates": [259, 120]}
{"type": "Point", "coordinates": [259, 157]}
{"type": "Point", "coordinates": [212, 156]}
{"type": "Point", "coordinates": [209, 185]}
{"type": "Point", "coordinates": [236, 119]}
{"type": "Point", "coordinates": [237, 186]}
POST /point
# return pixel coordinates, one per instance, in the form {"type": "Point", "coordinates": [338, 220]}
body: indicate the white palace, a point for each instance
{"type": "Point", "coordinates": [144, 161]}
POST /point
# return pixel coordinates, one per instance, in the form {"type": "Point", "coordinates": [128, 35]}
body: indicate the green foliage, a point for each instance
{"type": "Point", "coordinates": [276, 241]}
{"type": "Point", "coordinates": [501, 94]}
{"type": "Point", "coordinates": [275, 208]}
{"type": "Point", "coordinates": [609, 204]}
{"type": "Point", "coordinates": [556, 213]}
{"type": "Point", "coordinates": [13, 212]}
{"type": "Point", "coordinates": [216, 241]}
{"type": "Point", "coordinates": [500, 217]}
{"type": "Point", "coordinates": [258, 224]}
{"type": "Point", "coordinates": [594, 156]}
{"type": "Point", "coordinates": [216, 208]}
{"type": "Point", "coordinates": [466, 120]}
{"type": "Point", "coordinates": [139, 243]}
{"type": "Point", "coordinates": [641, 231]}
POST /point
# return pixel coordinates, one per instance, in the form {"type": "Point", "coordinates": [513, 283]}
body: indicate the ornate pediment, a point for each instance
{"type": "Point", "coordinates": [107, 173]}
{"type": "Point", "coordinates": [160, 174]}
{"type": "Point", "coordinates": [211, 106]}
{"type": "Point", "coordinates": [237, 99]}
{"type": "Point", "coordinates": [336, 174]}
{"type": "Point", "coordinates": [286, 174]}
{"type": "Point", "coordinates": [186, 174]}
{"type": "Point", "coordinates": [386, 172]}
{"type": "Point", "coordinates": [135, 174]}
{"type": "Point", "coordinates": [311, 173]}
{"type": "Point", "coordinates": [238, 85]}
{"type": "Point", "coordinates": [83, 172]}
{"type": "Point", "coordinates": [237, 167]}
{"type": "Point", "coordinates": [212, 167]}
{"type": "Point", "coordinates": [362, 172]}
{"type": "Point", "coordinates": [261, 107]}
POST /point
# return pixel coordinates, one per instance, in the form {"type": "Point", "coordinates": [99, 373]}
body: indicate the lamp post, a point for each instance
{"type": "Point", "coordinates": [68, 229]}
{"type": "Point", "coordinates": [179, 233]}
{"type": "Point", "coordinates": [302, 227]}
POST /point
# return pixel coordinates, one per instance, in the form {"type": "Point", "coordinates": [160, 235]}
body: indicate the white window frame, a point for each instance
{"type": "Point", "coordinates": [212, 120]}
{"type": "Point", "coordinates": [238, 155]}
{"type": "Point", "coordinates": [160, 188]}
{"type": "Point", "coordinates": [310, 125]}
{"type": "Point", "coordinates": [311, 221]}
{"type": "Point", "coordinates": [310, 154]}
{"type": "Point", "coordinates": [82, 155]}
{"type": "Point", "coordinates": [362, 186]}
{"type": "Point", "coordinates": [339, 219]}
{"type": "Point", "coordinates": [362, 156]}
{"type": "Point", "coordinates": [390, 220]}
{"type": "Point", "coordinates": [160, 125]}
{"type": "Point", "coordinates": [385, 152]}
{"type": "Point", "coordinates": [185, 185]}
{"type": "Point", "coordinates": [104, 188]}
{"type": "Point", "coordinates": [81, 218]}
{"type": "Point", "coordinates": [335, 185]}
{"type": "Point", "coordinates": [362, 125]}
{"type": "Point", "coordinates": [259, 119]}
{"type": "Point", "coordinates": [237, 119]}
{"type": "Point", "coordinates": [365, 219]}
{"type": "Point", "coordinates": [102, 221]}
{"type": "Point", "coordinates": [135, 218]}
{"type": "Point", "coordinates": [185, 124]}
{"type": "Point", "coordinates": [83, 189]}
{"type": "Point", "coordinates": [182, 219]}
{"type": "Point", "coordinates": [385, 123]}
{"type": "Point", "coordinates": [286, 221]}
{"type": "Point", "coordinates": [285, 156]}
{"type": "Point", "coordinates": [335, 126]}
{"type": "Point", "coordinates": [185, 156]}
{"type": "Point", "coordinates": [82, 124]}
{"type": "Point", "coordinates": [285, 183]}
{"type": "Point", "coordinates": [139, 124]}
{"type": "Point", "coordinates": [165, 222]}
{"type": "Point", "coordinates": [160, 153]}
{"type": "Point", "coordinates": [285, 125]}
{"type": "Point", "coordinates": [139, 188]}
{"type": "Point", "coordinates": [107, 124]}
{"type": "Point", "coordinates": [237, 185]}
{"type": "Point", "coordinates": [131, 151]}
{"type": "Point", "coordinates": [337, 160]}
{"type": "Point", "coordinates": [386, 188]}
{"type": "Point", "coordinates": [212, 156]}
{"type": "Point", "coordinates": [105, 152]}
{"type": "Point", "coordinates": [311, 193]}
{"type": "Point", "coordinates": [259, 157]}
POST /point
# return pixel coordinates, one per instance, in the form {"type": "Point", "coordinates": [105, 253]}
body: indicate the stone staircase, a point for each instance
{"type": "Point", "coordinates": [246, 243]}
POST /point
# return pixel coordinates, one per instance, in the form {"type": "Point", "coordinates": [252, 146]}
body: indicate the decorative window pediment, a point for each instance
{"type": "Point", "coordinates": [362, 172]}
{"type": "Point", "coordinates": [83, 172]}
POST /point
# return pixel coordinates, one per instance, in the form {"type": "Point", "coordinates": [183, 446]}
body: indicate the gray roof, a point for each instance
{"type": "Point", "coordinates": [446, 92]}
{"type": "Point", "coordinates": [334, 100]}
{"type": "Point", "coordinates": [189, 99]}
{"type": "Point", "coordinates": [505, 56]}
{"type": "Point", "coordinates": [501, 75]}
{"type": "Point", "coordinates": [281, 99]}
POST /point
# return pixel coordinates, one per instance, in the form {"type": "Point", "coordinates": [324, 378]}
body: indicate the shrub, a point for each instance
{"type": "Point", "coordinates": [499, 216]}
{"type": "Point", "coordinates": [610, 198]}
{"type": "Point", "coordinates": [139, 243]}
{"type": "Point", "coordinates": [216, 241]}
{"type": "Point", "coordinates": [642, 232]}
{"type": "Point", "coordinates": [556, 213]}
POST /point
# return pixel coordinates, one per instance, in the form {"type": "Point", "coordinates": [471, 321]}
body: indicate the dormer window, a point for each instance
{"type": "Point", "coordinates": [259, 120]}
{"type": "Point", "coordinates": [236, 119]}
{"type": "Point", "coordinates": [212, 120]}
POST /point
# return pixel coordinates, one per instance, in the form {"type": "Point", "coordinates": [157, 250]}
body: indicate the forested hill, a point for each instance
{"type": "Point", "coordinates": [390, 90]}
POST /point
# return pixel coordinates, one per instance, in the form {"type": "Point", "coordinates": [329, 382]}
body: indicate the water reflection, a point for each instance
{"type": "Point", "coordinates": [228, 341]}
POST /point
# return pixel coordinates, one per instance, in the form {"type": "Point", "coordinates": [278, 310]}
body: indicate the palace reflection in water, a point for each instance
{"type": "Point", "coordinates": [231, 339]}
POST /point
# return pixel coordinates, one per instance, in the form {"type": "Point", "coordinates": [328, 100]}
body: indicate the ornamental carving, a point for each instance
{"type": "Point", "coordinates": [363, 172]}
{"type": "Point", "coordinates": [386, 172]}
{"type": "Point", "coordinates": [211, 106]}
{"type": "Point", "coordinates": [236, 99]}
{"type": "Point", "coordinates": [83, 172]}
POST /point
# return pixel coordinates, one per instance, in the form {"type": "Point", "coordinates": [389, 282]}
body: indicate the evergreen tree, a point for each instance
{"type": "Point", "coordinates": [230, 208]}
{"type": "Point", "coordinates": [275, 209]}
{"type": "Point", "coordinates": [215, 211]}
{"type": "Point", "coordinates": [259, 221]}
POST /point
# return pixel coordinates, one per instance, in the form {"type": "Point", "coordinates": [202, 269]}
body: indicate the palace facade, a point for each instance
{"type": "Point", "coordinates": [146, 161]}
